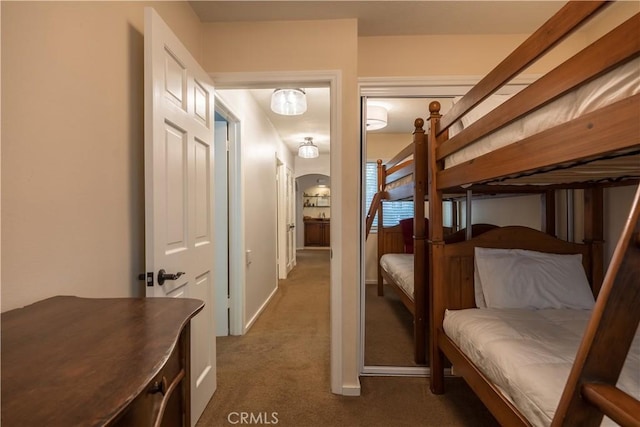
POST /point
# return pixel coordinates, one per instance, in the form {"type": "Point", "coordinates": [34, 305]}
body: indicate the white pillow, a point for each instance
{"type": "Point", "coordinates": [517, 278]}
{"type": "Point", "coordinates": [477, 286]}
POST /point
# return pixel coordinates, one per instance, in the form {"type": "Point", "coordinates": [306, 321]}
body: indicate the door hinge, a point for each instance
{"type": "Point", "coordinates": [227, 144]}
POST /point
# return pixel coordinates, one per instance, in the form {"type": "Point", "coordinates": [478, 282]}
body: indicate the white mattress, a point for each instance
{"type": "Point", "coordinates": [620, 83]}
{"type": "Point", "coordinates": [400, 268]}
{"type": "Point", "coordinates": [528, 354]}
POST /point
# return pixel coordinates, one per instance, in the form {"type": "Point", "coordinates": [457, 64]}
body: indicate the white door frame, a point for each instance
{"type": "Point", "coordinates": [234, 224]}
{"type": "Point", "coordinates": [333, 79]}
{"type": "Point", "coordinates": [285, 206]}
{"type": "Point", "coordinates": [280, 220]}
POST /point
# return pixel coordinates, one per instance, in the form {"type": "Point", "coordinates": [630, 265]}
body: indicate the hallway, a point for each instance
{"type": "Point", "coordinates": [278, 373]}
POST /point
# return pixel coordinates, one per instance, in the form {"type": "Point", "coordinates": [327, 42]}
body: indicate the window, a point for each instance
{"type": "Point", "coordinates": [393, 211]}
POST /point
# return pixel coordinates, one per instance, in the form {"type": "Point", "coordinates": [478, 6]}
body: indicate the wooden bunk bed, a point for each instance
{"type": "Point", "coordinates": [591, 150]}
{"type": "Point", "coordinates": [404, 178]}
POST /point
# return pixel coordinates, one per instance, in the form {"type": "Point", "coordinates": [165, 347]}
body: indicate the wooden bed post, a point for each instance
{"type": "Point", "coordinates": [419, 243]}
{"type": "Point", "coordinates": [381, 184]}
{"type": "Point", "coordinates": [594, 234]}
{"type": "Point", "coordinates": [548, 204]}
{"type": "Point", "coordinates": [436, 247]}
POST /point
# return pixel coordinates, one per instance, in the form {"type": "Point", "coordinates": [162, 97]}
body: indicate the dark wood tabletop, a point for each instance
{"type": "Point", "coordinates": [69, 361]}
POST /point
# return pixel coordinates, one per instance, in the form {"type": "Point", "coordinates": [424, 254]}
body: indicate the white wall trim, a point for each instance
{"type": "Point", "coordinates": [431, 85]}
{"type": "Point", "coordinates": [261, 309]}
{"type": "Point", "coordinates": [351, 390]}
{"type": "Point", "coordinates": [396, 371]}
{"type": "Point", "coordinates": [322, 78]}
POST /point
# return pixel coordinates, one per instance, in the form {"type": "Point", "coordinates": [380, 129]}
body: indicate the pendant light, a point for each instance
{"type": "Point", "coordinates": [289, 102]}
{"type": "Point", "coordinates": [307, 149]}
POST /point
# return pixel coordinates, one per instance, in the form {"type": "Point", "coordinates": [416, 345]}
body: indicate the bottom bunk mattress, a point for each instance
{"type": "Point", "coordinates": [528, 354]}
{"type": "Point", "coordinates": [400, 268]}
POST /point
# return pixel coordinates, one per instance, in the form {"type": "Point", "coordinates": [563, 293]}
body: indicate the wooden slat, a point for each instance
{"type": "Point", "coordinates": [609, 129]}
{"type": "Point", "coordinates": [548, 35]}
{"type": "Point", "coordinates": [605, 171]}
{"type": "Point", "coordinates": [404, 192]}
{"type": "Point", "coordinates": [373, 209]}
{"type": "Point", "coordinates": [620, 45]}
{"type": "Point", "coordinates": [610, 331]}
{"type": "Point", "coordinates": [400, 171]}
{"type": "Point", "coordinates": [614, 403]}
{"type": "Point", "coordinates": [402, 155]}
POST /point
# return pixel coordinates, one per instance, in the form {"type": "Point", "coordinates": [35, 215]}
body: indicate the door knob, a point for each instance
{"type": "Point", "coordinates": [163, 275]}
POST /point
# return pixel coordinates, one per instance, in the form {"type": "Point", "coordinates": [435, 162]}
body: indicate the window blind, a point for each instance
{"type": "Point", "coordinates": [393, 211]}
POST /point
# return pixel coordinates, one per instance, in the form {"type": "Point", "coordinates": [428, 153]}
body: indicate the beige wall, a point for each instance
{"type": "Point", "coordinates": [72, 153]}
{"type": "Point", "coordinates": [447, 55]}
{"type": "Point", "coordinates": [260, 145]}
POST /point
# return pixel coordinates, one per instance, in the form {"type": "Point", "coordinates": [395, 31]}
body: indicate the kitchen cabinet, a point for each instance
{"type": "Point", "coordinates": [317, 232]}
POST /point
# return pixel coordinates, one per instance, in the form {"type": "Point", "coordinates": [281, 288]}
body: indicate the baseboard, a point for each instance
{"type": "Point", "coordinates": [259, 312]}
{"type": "Point", "coordinates": [351, 390]}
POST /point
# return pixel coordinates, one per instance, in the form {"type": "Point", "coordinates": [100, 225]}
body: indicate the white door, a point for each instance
{"type": "Point", "coordinates": [179, 107]}
{"type": "Point", "coordinates": [291, 220]}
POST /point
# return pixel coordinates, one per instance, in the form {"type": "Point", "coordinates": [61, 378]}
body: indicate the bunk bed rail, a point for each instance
{"type": "Point", "coordinates": [591, 390]}
{"type": "Point", "coordinates": [615, 126]}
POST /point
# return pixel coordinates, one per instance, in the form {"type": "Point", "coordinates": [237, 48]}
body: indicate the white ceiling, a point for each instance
{"type": "Point", "coordinates": [376, 18]}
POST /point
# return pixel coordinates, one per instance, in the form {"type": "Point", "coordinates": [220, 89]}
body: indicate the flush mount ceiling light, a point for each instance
{"type": "Point", "coordinates": [307, 149]}
{"type": "Point", "coordinates": [289, 102]}
{"type": "Point", "coordinates": [376, 117]}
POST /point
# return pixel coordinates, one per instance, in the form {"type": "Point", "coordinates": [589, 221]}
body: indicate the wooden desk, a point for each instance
{"type": "Point", "coordinates": [69, 361]}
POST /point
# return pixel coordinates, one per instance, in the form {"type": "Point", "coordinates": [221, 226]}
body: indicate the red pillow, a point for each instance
{"type": "Point", "coordinates": [406, 225]}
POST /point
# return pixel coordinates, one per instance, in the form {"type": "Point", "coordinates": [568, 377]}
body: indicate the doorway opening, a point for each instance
{"type": "Point", "coordinates": [330, 80]}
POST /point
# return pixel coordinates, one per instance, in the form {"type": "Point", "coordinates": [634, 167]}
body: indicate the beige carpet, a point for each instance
{"type": "Point", "coordinates": [388, 336]}
{"type": "Point", "coordinates": [278, 373]}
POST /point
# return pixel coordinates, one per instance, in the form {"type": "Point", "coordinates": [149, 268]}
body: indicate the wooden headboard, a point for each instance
{"type": "Point", "coordinates": [456, 291]}
{"type": "Point", "coordinates": [392, 242]}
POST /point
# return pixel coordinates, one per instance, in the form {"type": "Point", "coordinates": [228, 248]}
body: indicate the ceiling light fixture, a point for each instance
{"type": "Point", "coordinates": [307, 149]}
{"type": "Point", "coordinates": [289, 102]}
{"type": "Point", "coordinates": [376, 117]}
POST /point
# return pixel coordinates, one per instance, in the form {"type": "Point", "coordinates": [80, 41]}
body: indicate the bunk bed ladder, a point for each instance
{"type": "Point", "coordinates": [373, 209]}
{"type": "Point", "coordinates": [591, 390]}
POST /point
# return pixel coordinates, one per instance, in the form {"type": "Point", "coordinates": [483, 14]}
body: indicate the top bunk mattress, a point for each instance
{"type": "Point", "coordinates": [528, 354]}
{"type": "Point", "coordinates": [619, 83]}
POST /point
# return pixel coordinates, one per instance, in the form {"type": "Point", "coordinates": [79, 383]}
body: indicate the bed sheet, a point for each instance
{"type": "Point", "coordinates": [400, 268]}
{"type": "Point", "coordinates": [528, 354]}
